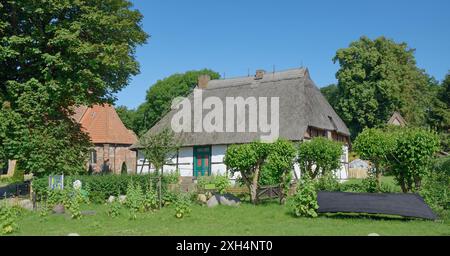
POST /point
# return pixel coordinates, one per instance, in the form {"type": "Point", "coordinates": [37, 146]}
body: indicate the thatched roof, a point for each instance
{"type": "Point", "coordinates": [300, 105]}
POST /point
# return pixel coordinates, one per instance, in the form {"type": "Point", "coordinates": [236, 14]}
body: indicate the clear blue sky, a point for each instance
{"type": "Point", "coordinates": [232, 36]}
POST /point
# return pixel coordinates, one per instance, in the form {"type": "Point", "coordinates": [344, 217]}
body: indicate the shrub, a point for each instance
{"type": "Point", "coordinates": [73, 200]}
{"type": "Point", "coordinates": [370, 184]}
{"type": "Point", "coordinates": [304, 202]}
{"type": "Point", "coordinates": [151, 199]}
{"type": "Point", "coordinates": [100, 187]}
{"type": "Point", "coordinates": [135, 199]}
{"type": "Point", "coordinates": [328, 182]}
{"type": "Point", "coordinates": [411, 157]}
{"type": "Point", "coordinates": [222, 182]}
{"type": "Point", "coordinates": [114, 208]}
{"type": "Point", "coordinates": [322, 153]}
{"type": "Point", "coordinates": [182, 205]}
{"type": "Point", "coordinates": [169, 197]}
{"type": "Point", "coordinates": [8, 219]}
{"type": "Point", "coordinates": [436, 186]}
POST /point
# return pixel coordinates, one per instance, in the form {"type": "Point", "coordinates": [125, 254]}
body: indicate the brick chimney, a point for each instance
{"type": "Point", "coordinates": [259, 74]}
{"type": "Point", "coordinates": [203, 81]}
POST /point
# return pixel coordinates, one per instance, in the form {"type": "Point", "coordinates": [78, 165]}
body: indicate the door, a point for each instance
{"type": "Point", "coordinates": [202, 163]}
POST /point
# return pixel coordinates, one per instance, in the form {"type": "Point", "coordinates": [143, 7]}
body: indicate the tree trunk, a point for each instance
{"type": "Point", "coordinates": [254, 186]}
{"type": "Point", "coordinates": [403, 185]}
{"type": "Point", "coordinates": [418, 183]}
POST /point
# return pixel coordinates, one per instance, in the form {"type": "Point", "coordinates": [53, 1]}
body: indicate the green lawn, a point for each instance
{"type": "Point", "coordinates": [268, 219]}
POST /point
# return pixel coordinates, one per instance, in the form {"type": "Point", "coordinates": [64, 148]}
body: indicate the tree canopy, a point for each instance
{"type": "Point", "coordinates": [55, 55]}
{"type": "Point", "coordinates": [320, 156]}
{"type": "Point", "coordinates": [378, 77]}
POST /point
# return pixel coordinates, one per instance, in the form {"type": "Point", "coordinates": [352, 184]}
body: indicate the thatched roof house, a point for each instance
{"type": "Point", "coordinates": [303, 113]}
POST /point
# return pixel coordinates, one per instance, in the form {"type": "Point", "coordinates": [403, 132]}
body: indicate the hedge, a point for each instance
{"type": "Point", "coordinates": [100, 187]}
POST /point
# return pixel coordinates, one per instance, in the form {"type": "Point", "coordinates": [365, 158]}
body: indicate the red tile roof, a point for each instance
{"type": "Point", "coordinates": [103, 125]}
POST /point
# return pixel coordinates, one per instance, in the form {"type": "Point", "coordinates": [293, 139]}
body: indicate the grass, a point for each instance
{"type": "Point", "coordinates": [247, 219]}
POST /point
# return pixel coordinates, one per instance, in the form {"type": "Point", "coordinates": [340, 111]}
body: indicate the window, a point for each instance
{"type": "Point", "coordinates": [93, 157]}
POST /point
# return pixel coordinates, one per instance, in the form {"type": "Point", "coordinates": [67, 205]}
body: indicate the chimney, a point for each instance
{"type": "Point", "coordinates": [259, 74]}
{"type": "Point", "coordinates": [203, 81]}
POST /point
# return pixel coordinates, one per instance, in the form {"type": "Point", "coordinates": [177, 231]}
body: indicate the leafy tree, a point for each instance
{"type": "Point", "coordinates": [331, 93]}
{"type": "Point", "coordinates": [250, 160]}
{"type": "Point", "coordinates": [160, 95]}
{"type": "Point", "coordinates": [158, 148]}
{"type": "Point", "coordinates": [375, 145]}
{"type": "Point", "coordinates": [411, 157]}
{"type": "Point", "coordinates": [55, 55]}
{"type": "Point", "coordinates": [439, 112]}
{"type": "Point", "coordinates": [376, 78]}
{"type": "Point", "coordinates": [319, 156]}
{"type": "Point", "coordinates": [126, 115]}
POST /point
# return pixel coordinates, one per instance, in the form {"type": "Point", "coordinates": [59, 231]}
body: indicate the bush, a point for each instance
{"type": "Point", "coordinates": [182, 205]}
{"type": "Point", "coordinates": [135, 199]}
{"type": "Point", "coordinates": [151, 199]}
{"type": "Point", "coordinates": [114, 208]}
{"type": "Point", "coordinates": [8, 219]}
{"type": "Point", "coordinates": [221, 182]}
{"type": "Point", "coordinates": [100, 187]}
{"type": "Point", "coordinates": [436, 186]}
{"type": "Point", "coordinates": [369, 184]}
{"type": "Point", "coordinates": [304, 202]}
{"type": "Point", "coordinates": [328, 182]}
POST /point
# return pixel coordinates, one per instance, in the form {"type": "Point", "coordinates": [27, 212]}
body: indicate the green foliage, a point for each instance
{"type": "Point", "coordinates": [114, 208]}
{"type": "Point", "coordinates": [159, 98]}
{"type": "Point", "coordinates": [328, 182]}
{"type": "Point", "coordinates": [412, 155]}
{"type": "Point", "coordinates": [135, 199]}
{"type": "Point", "coordinates": [304, 202]}
{"type": "Point", "coordinates": [72, 202]}
{"type": "Point", "coordinates": [272, 161]}
{"type": "Point", "coordinates": [100, 187]}
{"type": "Point", "coordinates": [370, 184]}
{"type": "Point", "coordinates": [18, 175]}
{"type": "Point", "coordinates": [126, 116]}
{"type": "Point", "coordinates": [331, 93]}
{"type": "Point", "coordinates": [169, 197]}
{"type": "Point", "coordinates": [220, 182]}
{"type": "Point", "coordinates": [173, 177]}
{"type": "Point", "coordinates": [151, 199]}
{"type": "Point", "coordinates": [375, 145]}
{"type": "Point", "coordinates": [182, 206]}
{"type": "Point", "coordinates": [56, 55]}
{"type": "Point", "coordinates": [322, 153]}
{"type": "Point", "coordinates": [378, 77]}
{"type": "Point", "coordinates": [8, 219]}
{"type": "Point", "coordinates": [157, 148]}
{"type": "Point", "coordinates": [436, 186]}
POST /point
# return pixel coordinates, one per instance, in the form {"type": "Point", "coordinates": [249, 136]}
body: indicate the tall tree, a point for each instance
{"type": "Point", "coordinates": [126, 115]}
{"type": "Point", "coordinates": [54, 55]}
{"type": "Point", "coordinates": [331, 93]}
{"type": "Point", "coordinates": [160, 95]}
{"type": "Point", "coordinates": [376, 78]}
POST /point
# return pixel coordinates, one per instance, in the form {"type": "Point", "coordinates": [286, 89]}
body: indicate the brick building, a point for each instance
{"type": "Point", "coordinates": [110, 137]}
